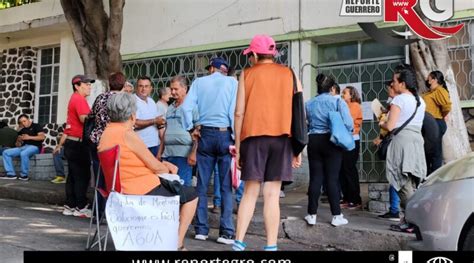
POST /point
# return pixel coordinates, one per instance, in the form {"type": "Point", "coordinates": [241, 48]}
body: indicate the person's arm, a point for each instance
{"type": "Point", "coordinates": [138, 147]}
{"type": "Point", "coordinates": [142, 124]}
{"type": "Point", "coordinates": [358, 117]}
{"type": "Point", "coordinates": [60, 144]}
{"type": "Point", "coordinates": [192, 157]}
{"type": "Point", "coordinates": [393, 117]}
{"type": "Point", "coordinates": [190, 102]}
{"type": "Point", "coordinates": [443, 101]}
{"type": "Point", "coordinates": [195, 135]}
{"type": "Point", "coordinates": [231, 110]}
{"type": "Point", "coordinates": [82, 110]}
{"type": "Point", "coordinates": [19, 141]}
{"type": "Point", "coordinates": [239, 116]}
{"type": "Point", "coordinates": [162, 143]}
{"type": "Point", "coordinates": [39, 137]}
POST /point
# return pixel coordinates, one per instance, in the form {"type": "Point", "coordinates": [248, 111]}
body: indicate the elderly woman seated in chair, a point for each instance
{"type": "Point", "coordinates": [139, 169]}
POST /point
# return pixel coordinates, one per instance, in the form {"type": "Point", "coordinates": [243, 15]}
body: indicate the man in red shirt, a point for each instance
{"type": "Point", "coordinates": [76, 152]}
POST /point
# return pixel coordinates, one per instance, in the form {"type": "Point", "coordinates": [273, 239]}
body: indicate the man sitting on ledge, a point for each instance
{"type": "Point", "coordinates": [28, 143]}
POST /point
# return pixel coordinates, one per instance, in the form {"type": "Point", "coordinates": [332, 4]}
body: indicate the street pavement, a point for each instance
{"type": "Point", "coordinates": [34, 226]}
{"type": "Point", "coordinates": [35, 222]}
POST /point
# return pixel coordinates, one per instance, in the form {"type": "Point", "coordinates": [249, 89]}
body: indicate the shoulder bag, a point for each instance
{"type": "Point", "coordinates": [382, 149]}
{"type": "Point", "coordinates": [340, 136]}
{"type": "Point", "coordinates": [299, 128]}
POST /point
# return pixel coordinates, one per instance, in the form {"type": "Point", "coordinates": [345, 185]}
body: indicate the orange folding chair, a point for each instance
{"type": "Point", "coordinates": [109, 162]}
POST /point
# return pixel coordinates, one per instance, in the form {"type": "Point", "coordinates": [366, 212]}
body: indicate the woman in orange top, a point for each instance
{"type": "Point", "coordinates": [438, 104]}
{"type": "Point", "coordinates": [349, 175]}
{"type": "Point", "coordinates": [139, 169]}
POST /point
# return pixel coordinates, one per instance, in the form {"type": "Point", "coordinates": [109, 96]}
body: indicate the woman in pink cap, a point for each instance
{"type": "Point", "coordinates": [262, 136]}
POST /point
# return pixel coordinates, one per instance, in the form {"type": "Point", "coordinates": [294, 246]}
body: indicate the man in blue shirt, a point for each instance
{"type": "Point", "coordinates": [215, 97]}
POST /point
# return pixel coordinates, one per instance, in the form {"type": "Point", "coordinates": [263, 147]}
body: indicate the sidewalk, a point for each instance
{"type": "Point", "coordinates": [364, 231]}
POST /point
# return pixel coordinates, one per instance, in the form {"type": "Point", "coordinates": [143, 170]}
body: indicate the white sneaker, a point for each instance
{"type": "Point", "coordinates": [225, 240]}
{"type": "Point", "coordinates": [339, 220]}
{"type": "Point", "coordinates": [84, 212]}
{"type": "Point", "coordinates": [68, 211]}
{"type": "Point", "coordinates": [310, 219]}
{"type": "Point", "coordinates": [282, 194]}
{"type": "Point", "coordinates": [200, 237]}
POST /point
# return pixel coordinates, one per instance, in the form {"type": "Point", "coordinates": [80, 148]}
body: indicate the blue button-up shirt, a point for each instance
{"type": "Point", "coordinates": [215, 96]}
{"type": "Point", "coordinates": [317, 113]}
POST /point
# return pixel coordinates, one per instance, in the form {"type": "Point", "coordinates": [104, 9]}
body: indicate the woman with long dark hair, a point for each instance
{"type": "Point", "coordinates": [438, 104]}
{"type": "Point", "coordinates": [405, 162]}
{"type": "Point", "coordinates": [325, 158]}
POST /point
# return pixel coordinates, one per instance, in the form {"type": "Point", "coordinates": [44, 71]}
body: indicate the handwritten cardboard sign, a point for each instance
{"type": "Point", "coordinates": [138, 222]}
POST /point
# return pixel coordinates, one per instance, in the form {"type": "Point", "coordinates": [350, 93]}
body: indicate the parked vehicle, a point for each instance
{"type": "Point", "coordinates": [442, 209]}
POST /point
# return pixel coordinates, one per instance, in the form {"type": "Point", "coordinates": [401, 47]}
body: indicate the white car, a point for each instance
{"type": "Point", "coordinates": [442, 208]}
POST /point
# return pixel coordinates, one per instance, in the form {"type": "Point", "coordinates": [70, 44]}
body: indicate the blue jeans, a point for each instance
{"type": "Point", "coordinates": [185, 171]}
{"type": "Point", "coordinates": [154, 150]}
{"type": "Point", "coordinates": [213, 148]}
{"type": "Point", "coordinates": [2, 149]}
{"type": "Point", "coordinates": [25, 152]}
{"type": "Point", "coordinates": [394, 200]}
{"type": "Point", "coordinates": [217, 190]}
{"type": "Point", "coordinates": [58, 163]}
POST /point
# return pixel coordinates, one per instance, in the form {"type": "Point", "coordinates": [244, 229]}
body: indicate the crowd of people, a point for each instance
{"type": "Point", "coordinates": [190, 129]}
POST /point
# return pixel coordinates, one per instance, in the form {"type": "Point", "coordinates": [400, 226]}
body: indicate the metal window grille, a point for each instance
{"type": "Point", "coordinates": [190, 65]}
{"type": "Point", "coordinates": [461, 52]}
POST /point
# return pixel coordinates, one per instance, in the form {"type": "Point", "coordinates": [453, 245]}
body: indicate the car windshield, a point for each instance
{"type": "Point", "coordinates": [457, 170]}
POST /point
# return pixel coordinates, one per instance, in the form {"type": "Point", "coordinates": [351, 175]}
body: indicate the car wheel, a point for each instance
{"type": "Point", "coordinates": [469, 241]}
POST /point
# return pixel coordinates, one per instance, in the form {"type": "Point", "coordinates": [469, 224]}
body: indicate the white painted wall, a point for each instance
{"type": "Point", "coordinates": [158, 25]}
{"type": "Point", "coordinates": [27, 13]}
{"type": "Point", "coordinates": [70, 65]}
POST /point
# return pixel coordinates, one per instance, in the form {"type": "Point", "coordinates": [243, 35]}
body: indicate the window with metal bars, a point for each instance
{"type": "Point", "coordinates": [191, 65]}
{"type": "Point", "coordinates": [461, 52]}
{"type": "Point", "coordinates": [47, 85]}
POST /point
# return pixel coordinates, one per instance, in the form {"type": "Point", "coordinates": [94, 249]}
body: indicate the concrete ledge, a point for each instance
{"type": "Point", "coordinates": [35, 191]}
{"type": "Point", "coordinates": [347, 237]}
{"type": "Point", "coordinates": [41, 167]}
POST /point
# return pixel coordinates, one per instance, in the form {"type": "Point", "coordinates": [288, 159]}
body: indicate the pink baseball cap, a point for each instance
{"type": "Point", "coordinates": [262, 44]}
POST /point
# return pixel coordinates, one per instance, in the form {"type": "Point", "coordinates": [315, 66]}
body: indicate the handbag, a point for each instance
{"type": "Point", "coordinates": [89, 125]}
{"type": "Point", "coordinates": [299, 128]}
{"type": "Point", "coordinates": [382, 149]}
{"type": "Point", "coordinates": [340, 136]}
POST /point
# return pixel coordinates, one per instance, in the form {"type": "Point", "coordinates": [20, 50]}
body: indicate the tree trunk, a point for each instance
{"type": "Point", "coordinates": [97, 36]}
{"type": "Point", "coordinates": [427, 56]}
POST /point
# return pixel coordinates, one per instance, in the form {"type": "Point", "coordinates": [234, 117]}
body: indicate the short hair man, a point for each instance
{"type": "Point", "coordinates": [214, 96]}
{"type": "Point", "coordinates": [75, 151]}
{"type": "Point", "coordinates": [28, 143]}
{"type": "Point", "coordinates": [177, 144]}
{"type": "Point", "coordinates": [148, 119]}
